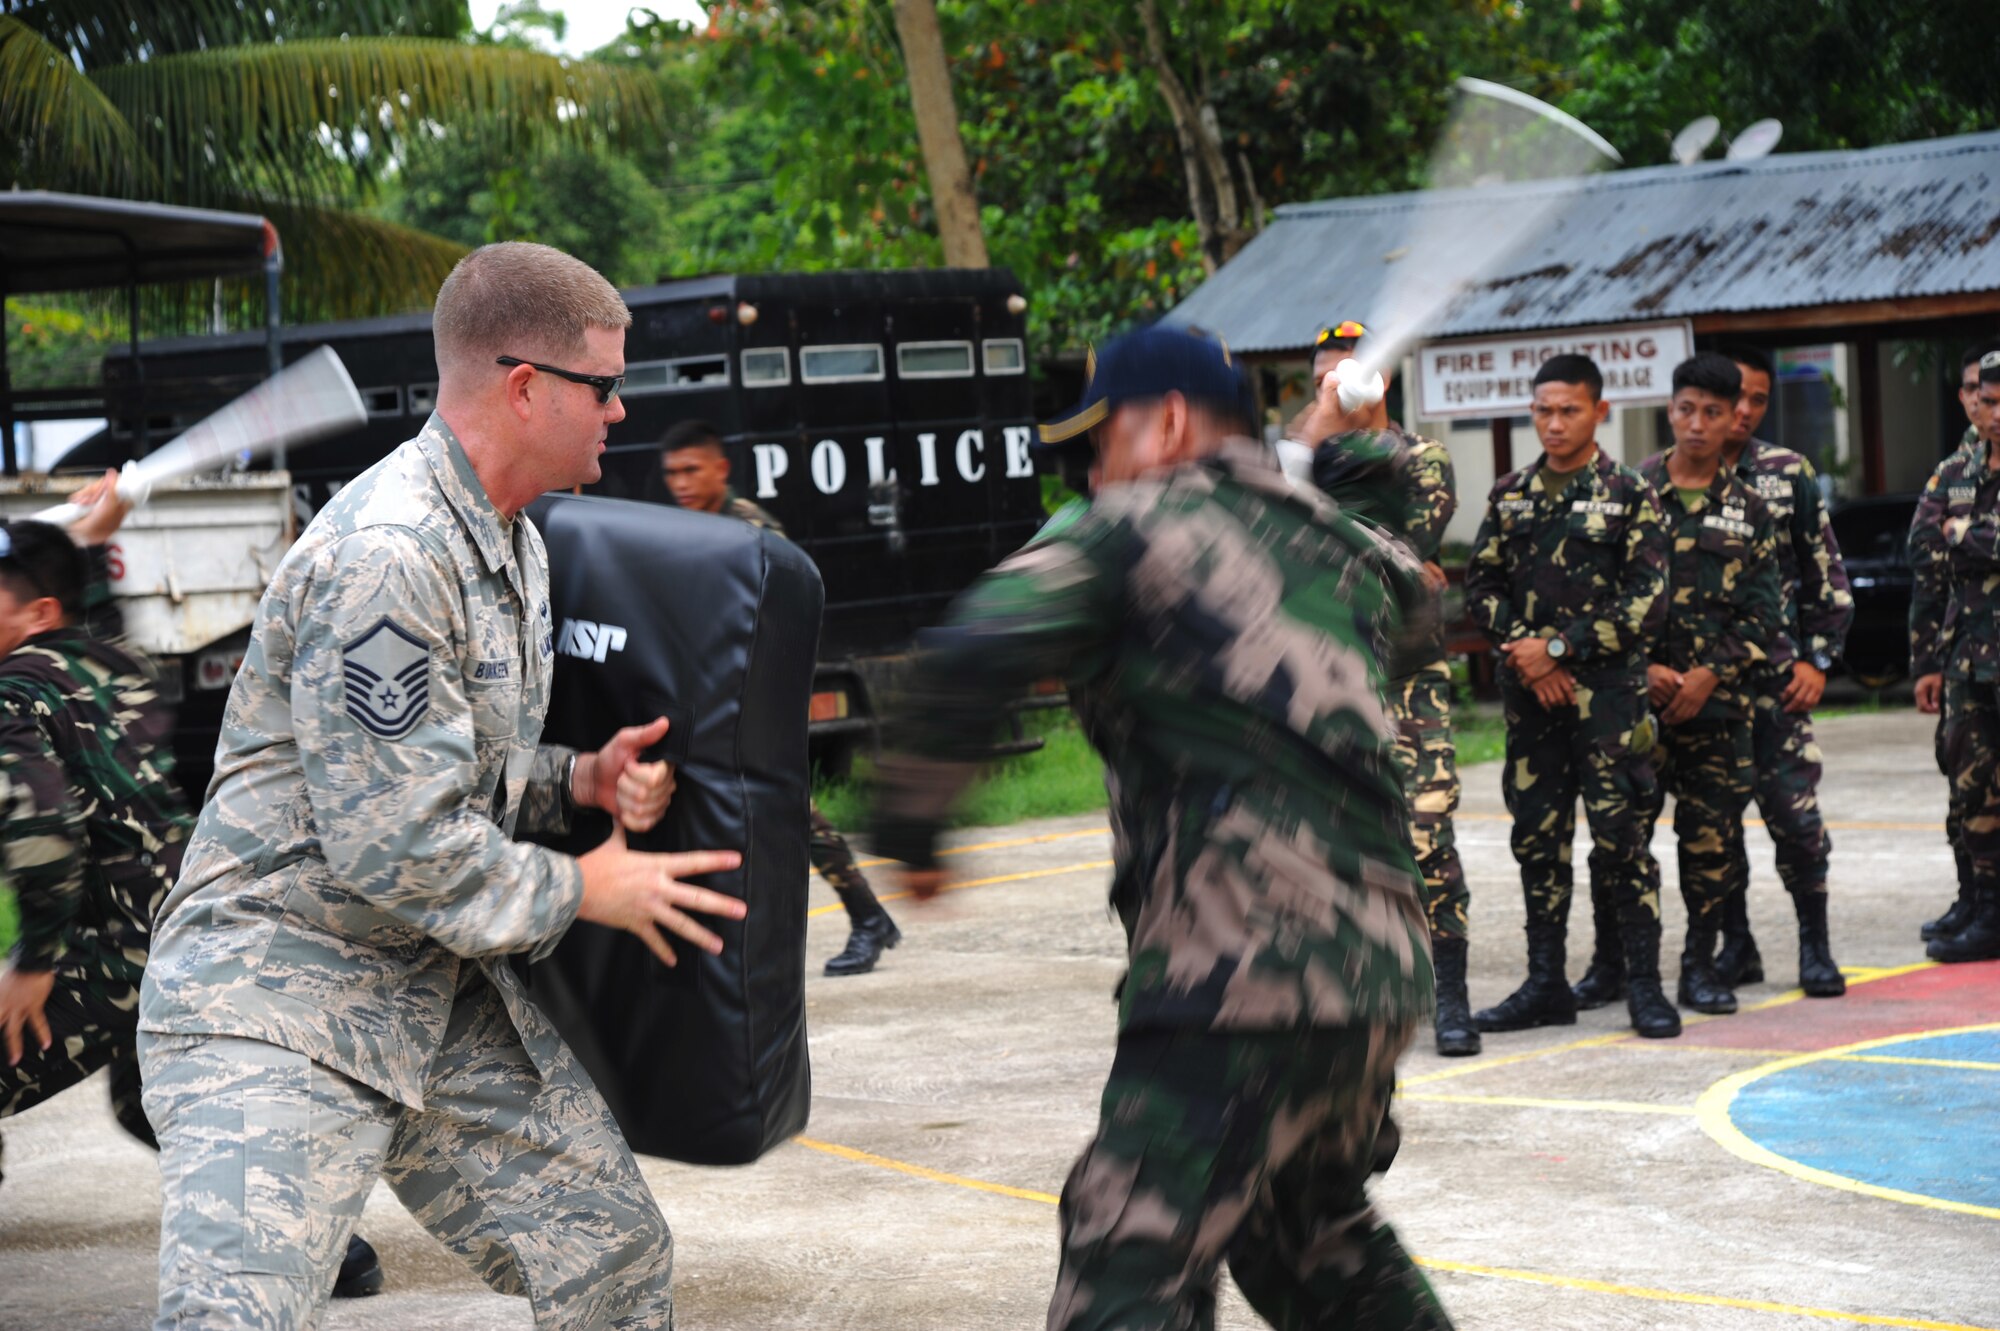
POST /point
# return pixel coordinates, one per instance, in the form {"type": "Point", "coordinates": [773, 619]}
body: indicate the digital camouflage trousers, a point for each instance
{"type": "Point", "coordinates": [1247, 1148]}
{"type": "Point", "coordinates": [1787, 764]}
{"type": "Point", "coordinates": [1972, 761]}
{"type": "Point", "coordinates": [1427, 760]}
{"type": "Point", "coordinates": [1601, 749]}
{"type": "Point", "coordinates": [1708, 767]}
{"type": "Point", "coordinates": [267, 1157]}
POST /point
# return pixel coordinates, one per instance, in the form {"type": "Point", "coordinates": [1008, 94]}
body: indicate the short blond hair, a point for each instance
{"type": "Point", "coordinates": [520, 299]}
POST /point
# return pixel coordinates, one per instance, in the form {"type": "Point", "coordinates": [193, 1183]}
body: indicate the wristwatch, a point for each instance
{"type": "Point", "coordinates": [1822, 660]}
{"type": "Point", "coordinates": [1558, 648]}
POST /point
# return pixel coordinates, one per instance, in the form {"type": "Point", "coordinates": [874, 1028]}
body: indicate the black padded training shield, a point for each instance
{"type": "Point", "coordinates": [714, 624]}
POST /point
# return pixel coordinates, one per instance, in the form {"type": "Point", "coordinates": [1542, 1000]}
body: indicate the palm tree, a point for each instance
{"type": "Point", "coordinates": [294, 109]}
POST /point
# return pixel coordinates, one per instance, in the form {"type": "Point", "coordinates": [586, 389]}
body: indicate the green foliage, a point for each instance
{"type": "Point", "coordinates": [809, 155]}
{"type": "Point", "coordinates": [296, 109]}
{"type": "Point", "coordinates": [1838, 73]}
{"type": "Point", "coordinates": [10, 921]}
{"type": "Point", "coordinates": [472, 187]}
{"type": "Point", "coordinates": [1064, 776]}
{"type": "Point", "coordinates": [57, 345]}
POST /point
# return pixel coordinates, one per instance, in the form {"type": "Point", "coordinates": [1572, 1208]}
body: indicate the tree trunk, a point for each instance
{"type": "Point", "coordinates": [937, 131]}
{"type": "Point", "coordinates": [1220, 217]}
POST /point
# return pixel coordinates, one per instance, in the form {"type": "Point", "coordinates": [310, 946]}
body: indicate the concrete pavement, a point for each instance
{"type": "Point", "coordinates": [1572, 1178]}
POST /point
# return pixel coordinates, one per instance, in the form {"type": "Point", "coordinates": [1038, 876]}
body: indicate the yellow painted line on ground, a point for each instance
{"type": "Point", "coordinates": [1021, 877]}
{"type": "Point", "coordinates": [1702, 1300]}
{"type": "Point", "coordinates": [1529, 1102]}
{"type": "Point", "coordinates": [1856, 975]}
{"type": "Point", "coordinates": [1440, 1264]}
{"type": "Point", "coordinates": [1470, 1066]}
{"type": "Point", "coordinates": [1712, 1110]}
{"type": "Point", "coordinates": [918, 1171]}
{"type": "Point", "coordinates": [1004, 845]}
{"type": "Point", "coordinates": [1670, 1046]}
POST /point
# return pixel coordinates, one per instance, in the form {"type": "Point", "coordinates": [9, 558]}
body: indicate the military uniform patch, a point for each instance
{"type": "Point", "coordinates": [1609, 508]}
{"type": "Point", "coordinates": [387, 671]}
{"type": "Point", "coordinates": [1730, 520]}
{"type": "Point", "coordinates": [1516, 505]}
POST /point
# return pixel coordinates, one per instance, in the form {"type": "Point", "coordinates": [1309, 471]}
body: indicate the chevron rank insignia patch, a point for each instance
{"type": "Point", "coordinates": [387, 671]}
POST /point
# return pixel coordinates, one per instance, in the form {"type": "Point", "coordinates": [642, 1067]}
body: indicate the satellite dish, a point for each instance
{"type": "Point", "coordinates": [1694, 138]}
{"type": "Point", "coordinates": [1756, 141]}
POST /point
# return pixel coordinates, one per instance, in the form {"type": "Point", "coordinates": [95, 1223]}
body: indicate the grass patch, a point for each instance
{"type": "Point", "coordinates": [1062, 777]}
{"type": "Point", "coordinates": [1065, 777]}
{"type": "Point", "coordinates": [10, 922]}
{"type": "Point", "coordinates": [1479, 731]}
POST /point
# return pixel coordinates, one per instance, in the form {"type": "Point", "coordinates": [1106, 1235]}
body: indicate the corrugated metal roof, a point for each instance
{"type": "Point", "coordinates": [1804, 229]}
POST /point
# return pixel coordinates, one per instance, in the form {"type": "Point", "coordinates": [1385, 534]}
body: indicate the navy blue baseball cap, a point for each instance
{"type": "Point", "coordinates": [1147, 364]}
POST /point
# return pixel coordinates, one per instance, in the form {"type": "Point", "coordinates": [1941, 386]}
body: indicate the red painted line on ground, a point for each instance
{"type": "Point", "coordinates": [1933, 999]}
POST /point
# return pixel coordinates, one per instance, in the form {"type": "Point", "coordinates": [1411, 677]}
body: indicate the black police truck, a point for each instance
{"type": "Point", "coordinates": [883, 417]}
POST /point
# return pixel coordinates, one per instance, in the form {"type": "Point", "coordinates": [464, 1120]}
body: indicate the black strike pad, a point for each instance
{"type": "Point", "coordinates": [713, 624]}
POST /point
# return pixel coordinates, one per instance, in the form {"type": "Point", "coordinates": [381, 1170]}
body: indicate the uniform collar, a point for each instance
{"type": "Point", "coordinates": [1748, 457]}
{"type": "Point", "coordinates": [1600, 465]}
{"type": "Point", "coordinates": [1715, 492]}
{"type": "Point", "coordinates": [492, 533]}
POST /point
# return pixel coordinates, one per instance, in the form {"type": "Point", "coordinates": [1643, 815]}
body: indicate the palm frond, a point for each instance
{"type": "Point", "coordinates": [67, 133]}
{"type": "Point", "coordinates": [253, 110]}
{"type": "Point", "coordinates": [339, 264]}
{"type": "Point", "coordinates": [113, 32]}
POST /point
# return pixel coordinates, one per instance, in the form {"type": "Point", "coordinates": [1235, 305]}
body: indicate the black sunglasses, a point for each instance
{"type": "Point", "coordinates": [607, 385]}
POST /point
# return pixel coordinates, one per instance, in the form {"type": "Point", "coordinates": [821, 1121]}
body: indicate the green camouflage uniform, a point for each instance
{"type": "Point", "coordinates": [336, 952]}
{"type": "Point", "coordinates": [1589, 563]}
{"type": "Point", "coordinates": [92, 827]}
{"type": "Point", "coordinates": [1223, 635]}
{"type": "Point", "coordinates": [1961, 635]}
{"type": "Point", "coordinates": [1818, 609]}
{"type": "Point", "coordinates": [1419, 472]}
{"type": "Point", "coordinates": [1725, 612]}
{"type": "Point", "coordinates": [828, 849]}
{"type": "Point", "coordinates": [1930, 645]}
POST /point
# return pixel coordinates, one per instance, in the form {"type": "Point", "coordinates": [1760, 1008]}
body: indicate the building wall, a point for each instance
{"type": "Point", "coordinates": [1912, 422]}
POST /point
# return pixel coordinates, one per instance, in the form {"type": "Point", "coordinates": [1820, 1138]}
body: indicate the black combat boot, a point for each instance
{"type": "Point", "coordinates": [1700, 987]}
{"type": "Point", "coordinates": [360, 1272]}
{"type": "Point", "coordinates": [1457, 1037]}
{"type": "Point", "coordinates": [1955, 917]}
{"type": "Point", "coordinates": [1979, 940]}
{"type": "Point", "coordinates": [1545, 999]}
{"type": "Point", "coordinates": [871, 934]}
{"type": "Point", "coordinates": [1818, 975]}
{"type": "Point", "coordinates": [1604, 982]}
{"type": "Point", "coordinates": [1738, 961]}
{"type": "Point", "coordinates": [1652, 1015]}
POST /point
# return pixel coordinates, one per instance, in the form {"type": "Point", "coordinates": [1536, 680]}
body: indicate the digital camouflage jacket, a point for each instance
{"type": "Point", "coordinates": [1724, 607]}
{"type": "Point", "coordinates": [1819, 605]}
{"type": "Point", "coordinates": [1223, 634]}
{"type": "Point", "coordinates": [1958, 632]}
{"type": "Point", "coordinates": [1404, 484]}
{"type": "Point", "coordinates": [1930, 592]}
{"type": "Point", "coordinates": [91, 823]}
{"type": "Point", "coordinates": [1590, 564]}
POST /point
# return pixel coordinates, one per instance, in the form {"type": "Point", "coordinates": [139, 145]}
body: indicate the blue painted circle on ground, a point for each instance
{"type": "Point", "coordinates": [1915, 1128]}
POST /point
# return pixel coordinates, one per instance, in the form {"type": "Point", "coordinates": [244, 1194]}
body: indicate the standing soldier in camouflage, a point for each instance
{"type": "Point", "coordinates": [1223, 634]}
{"type": "Point", "coordinates": [696, 472]}
{"type": "Point", "coordinates": [1957, 528]}
{"type": "Point", "coordinates": [1724, 625]}
{"type": "Point", "coordinates": [1818, 608]}
{"type": "Point", "coordinates": [1403, 483]}
{"type": "Point", "coordinates": [1929, 601]}
{"type": "Point", "coordinates": [1567, 579]}
{"type": "Point", "coordinates": [331, 996]}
